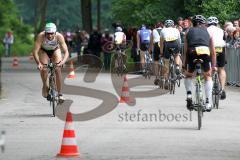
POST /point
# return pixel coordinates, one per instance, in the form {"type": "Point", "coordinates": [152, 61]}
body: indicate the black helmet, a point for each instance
{"type": "Point", "coordinates": [199, 19]}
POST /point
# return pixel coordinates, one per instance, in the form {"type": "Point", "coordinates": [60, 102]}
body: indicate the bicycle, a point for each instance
{"type": "Point", "coordinates": [161, 82]}
{"type": "Point", "coordinates": [216, 93]}
{"type": "Point", "coordinates": [172, 77]}
{"type": "Point", "coordinates": [199, 100]}
{"type": "Point", "coordinates": [119, 66]}
{"type": "Point", "coordinates": [52, 93]}
{"type": "Point", "coordinates": [148, 65]}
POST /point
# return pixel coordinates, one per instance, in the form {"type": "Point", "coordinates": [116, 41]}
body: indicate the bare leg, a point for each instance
{"type": "Point", "coordinates": [43, 57]}
{"type": "Point", "coordinates": [222, 76]}
{"type": "Point", "coordinates": [57, 57]}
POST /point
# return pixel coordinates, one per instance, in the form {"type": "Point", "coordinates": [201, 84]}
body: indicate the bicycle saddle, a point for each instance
{"type": "Point", "coordinates": [198, 61]}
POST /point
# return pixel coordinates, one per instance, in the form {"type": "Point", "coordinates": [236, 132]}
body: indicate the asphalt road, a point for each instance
{"type": "Point", "coordinates": [156, 126]}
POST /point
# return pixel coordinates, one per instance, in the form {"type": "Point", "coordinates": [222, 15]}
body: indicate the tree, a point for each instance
{"type": "Point", "coordinates": [86, 15]}
{"type": "Point", "coordinates": [136, 12]}
{"type": "Point", "coordinates": [40, 16]}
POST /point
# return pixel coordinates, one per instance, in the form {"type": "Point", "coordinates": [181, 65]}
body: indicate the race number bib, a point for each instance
{"type": "Point", "coordinates": [202, 50]}
{"type": "Point", "coordinates": [218, 49]}
{"type": "Point", "coordinates": [169, 39]}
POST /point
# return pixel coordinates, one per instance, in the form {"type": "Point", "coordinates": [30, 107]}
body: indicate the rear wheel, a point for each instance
{"type": "Point", "coordinates": [200, 114]}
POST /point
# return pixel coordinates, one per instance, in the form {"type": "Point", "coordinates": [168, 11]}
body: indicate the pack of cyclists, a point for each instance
{"type": "Point", "coordinates": [203, 40]}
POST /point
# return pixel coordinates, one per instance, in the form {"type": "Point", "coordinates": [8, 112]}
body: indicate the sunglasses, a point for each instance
{"type": "Point", "coordinates": [50, 33]}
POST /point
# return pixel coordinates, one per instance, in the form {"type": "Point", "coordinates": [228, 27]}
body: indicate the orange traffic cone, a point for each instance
{"type": "Point", "coordinates": [69, 146]}
{"type": "Point", "coordinates": [71, 69]}
{"type": "Point", "coordinates": [125, 92]}
{"type": "Point", "coordinates": [15, 62]}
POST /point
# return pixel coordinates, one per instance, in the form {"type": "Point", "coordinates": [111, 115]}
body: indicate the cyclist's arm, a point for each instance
{"type": "Point", "coordinates": [185, 50]}
{"type": "Point", "coordinates": [179, 40]}
{"type": "Point", "coordinates": [138, 40]}
{"type": "Point", "coordinates": [161, 46]}
{"type": "Point", "coordinates": [151, 43]}
{"type": "Point", "coordinates": [37, 47]}
{"type": "Point", "coordinates": [63, 47]}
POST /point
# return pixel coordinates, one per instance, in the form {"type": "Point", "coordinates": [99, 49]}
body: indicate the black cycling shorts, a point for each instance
{"type": "Point", "coordinates": [168, 46]}
{"type": "Point", "coordinates": [156, 51]}
{"type": "Point", "coordinates": [191, 55]}
{"type": "Point", "coordinates": [221, 61]}
{"type": "Point", "coordinates": [49, 52]}
{"type": "Point", "coordinates": [144, 46]}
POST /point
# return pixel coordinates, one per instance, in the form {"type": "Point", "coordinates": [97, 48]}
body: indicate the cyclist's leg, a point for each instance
{"type": "Point", "coordinates": [142, 59]}
{"type": "Point", "coordinates": [222, 72]}
{"type": "Point", "coordinates": [156, 56]}
{"type": "Point", "coordinates": [208, 80]}
{"type": "Point", "coordinates": [190, 67]}
{"type": "Point", "coordinates": [43, 58]}
{"type": "Point", "coordinates": [56, 58]}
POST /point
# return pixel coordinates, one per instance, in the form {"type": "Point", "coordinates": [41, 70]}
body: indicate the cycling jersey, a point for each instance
{"type": "Point", "coordinates": [119, 37]}
{"type": "Point", "coordinates": [50, 44]}
{"type": "Point", "coordinates": [172, 39]}
{"type": "Point", "coordinates": [217, 34]}
{"type": "Point", "coordinates": [156, 35]}
{"type": "Point", "coordinates": [156, 40]}
{"type": "Point", "coordinates": [144, 39]}
{"type": "Point", "coordinates": [198, 40]}
{"type": "Point", "coordinates": [170, 34]}
{"type": "Point", "coordinates": [198, 36]}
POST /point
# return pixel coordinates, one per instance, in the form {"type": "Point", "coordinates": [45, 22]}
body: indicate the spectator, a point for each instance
{"type": "Point", "coordinates": [77, 41]}
{"type": "Point", "coordinates": [236, 24]}
{"type": "Point", "coordinates": [94, 43]}
{"type": "Point", "coordinates": [106, 55]}
{"type": "Point", "coordinates": [236, 40]}
{"type": "Point", "coordinates": [180, 21]}
{"type": "Point", "coordinates": [68, 36]}
{"type": "Point", "coordinates": [229, 34]}
{"type": "Point", "coordinates": [8, 41]}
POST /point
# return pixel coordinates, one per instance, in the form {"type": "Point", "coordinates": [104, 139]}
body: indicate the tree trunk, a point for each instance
{"type": "Point", "coordinates": [39, 15]}
{"type": "Point", "coordinates": [43, 14]}
{"type": "Point", "coordinates": [86, 15]}
{"type": "Point", "coordinates": [99, 15]}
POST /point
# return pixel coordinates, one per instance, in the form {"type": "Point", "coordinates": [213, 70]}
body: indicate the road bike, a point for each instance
{"type": "Point", "coordinates": [52, 93]}
{"type": "Point", "coordinates": [119, 66]}
{"type": "Point", "coordinates": [199, 103]}
{"type": "Point", "coordinates": [147, 71]}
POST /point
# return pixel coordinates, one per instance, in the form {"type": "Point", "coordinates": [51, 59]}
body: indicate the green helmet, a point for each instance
{"type": "Point", "coordinates": [50, 28]}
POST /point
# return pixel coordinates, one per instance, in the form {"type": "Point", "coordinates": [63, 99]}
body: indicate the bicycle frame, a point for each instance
{"type": "Point", "coordinates": [147, 65]}
{"type": "Point", "coordinates": [119, 63]}
{"type": "Point", "coordinates": [199, 102]}
{"type": "Point", "coordinates": [52, 85]}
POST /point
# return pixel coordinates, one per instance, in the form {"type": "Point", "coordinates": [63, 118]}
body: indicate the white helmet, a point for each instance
{"type": "Point", "coordinates": [169, 23]}
{"type": "Point", "coordinates": [50, 28]}
{"type": "Point", "coordinates": [212, 20]}
{"type": "Point", "coordinates": [119, 29]}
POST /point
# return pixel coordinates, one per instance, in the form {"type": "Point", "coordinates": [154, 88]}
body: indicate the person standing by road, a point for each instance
{"type": "Point", "coordinates": [8, 41]}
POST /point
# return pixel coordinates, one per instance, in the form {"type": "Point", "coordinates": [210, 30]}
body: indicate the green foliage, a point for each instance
{"type": "Point", "coordinates": [10, 22]}
{"type": "Point", "coordinates": [136, 12]}
{"type": "Point", "coordinates": [224, 9]}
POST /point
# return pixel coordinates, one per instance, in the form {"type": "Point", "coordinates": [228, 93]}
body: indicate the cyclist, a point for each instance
{"type": "Point", "coordinates": [170, 38]}
{"type": "Point", "coordinates": [47, 45]}
{"type": "Point", "coordinates": [156, 48]}
{"type": "Point", "coordinates": [120, 43]}
{"type": "Point", "coordinates": [218, 35]}
{"type": "Point", "coordinates": [143, 43]}
{"type": "Point", "coordinates": [199, 45]}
